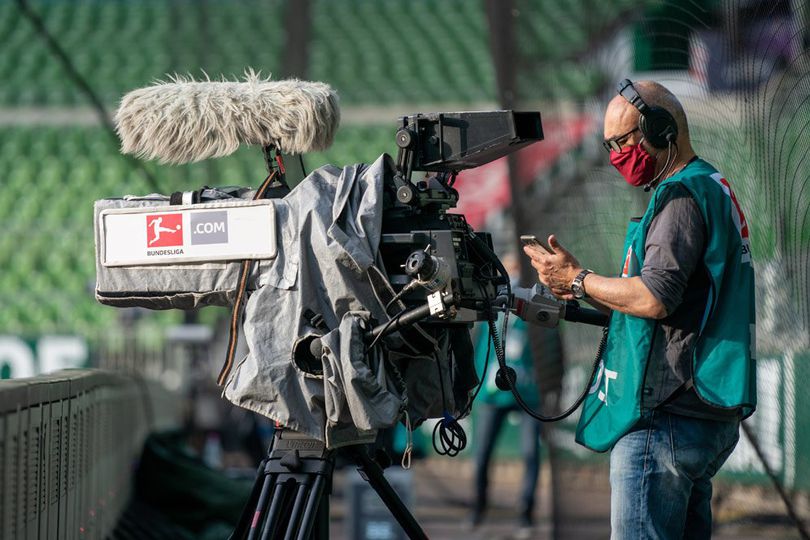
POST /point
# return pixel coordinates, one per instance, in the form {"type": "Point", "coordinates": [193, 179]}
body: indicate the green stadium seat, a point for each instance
{"type": "Point", "coordinates": [373, 52]}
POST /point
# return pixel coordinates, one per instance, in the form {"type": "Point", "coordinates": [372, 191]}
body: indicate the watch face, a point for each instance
{"type": "Point", "coordinates": [577, 287]}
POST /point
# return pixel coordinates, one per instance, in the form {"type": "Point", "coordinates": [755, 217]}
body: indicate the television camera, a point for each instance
{"type": "Point", "coordinates": [438, 276]}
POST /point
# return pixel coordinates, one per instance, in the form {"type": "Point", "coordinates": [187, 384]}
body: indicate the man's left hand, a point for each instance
{"type": "Point", "coordinates": [555, 269]}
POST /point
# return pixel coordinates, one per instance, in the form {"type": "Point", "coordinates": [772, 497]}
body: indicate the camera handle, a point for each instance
{"type": "Point", "coordinates": [537, 306]}
{"type": "Point", "coordinates": [533, 305]}
{"type": "Point", "coordinates": [437, 304]}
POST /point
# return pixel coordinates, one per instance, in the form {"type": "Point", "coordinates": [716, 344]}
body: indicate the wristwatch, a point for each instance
{"type": "Point", "coordinates": [577, 286]}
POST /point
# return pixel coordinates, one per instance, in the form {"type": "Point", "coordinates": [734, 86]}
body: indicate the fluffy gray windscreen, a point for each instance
{"type": "Point", "coordinates": [183, 120]}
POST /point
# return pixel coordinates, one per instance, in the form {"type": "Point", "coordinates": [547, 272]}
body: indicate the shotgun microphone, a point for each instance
{"type": "Point", "coordinates": [182, 120]}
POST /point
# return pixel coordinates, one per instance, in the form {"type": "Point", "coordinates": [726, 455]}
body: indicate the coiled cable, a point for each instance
{"type": "Point", "coordinates": [499, 351]}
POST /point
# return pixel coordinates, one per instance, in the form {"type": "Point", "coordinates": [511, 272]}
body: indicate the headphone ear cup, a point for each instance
{"type": "Point", "coordinates": [645, 132]}
{"type": "Point", "coordinates": [658, 127]}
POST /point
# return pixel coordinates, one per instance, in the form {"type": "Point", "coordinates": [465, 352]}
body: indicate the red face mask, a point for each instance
{"type": "Point", "coordinates": [634, 164]}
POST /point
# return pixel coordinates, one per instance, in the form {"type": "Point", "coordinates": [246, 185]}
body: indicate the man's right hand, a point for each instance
{"type": "Point", "coordinates": [556, 269]}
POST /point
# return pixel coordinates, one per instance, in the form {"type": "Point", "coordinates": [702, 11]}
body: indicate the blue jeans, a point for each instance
{"type": "Point", "coordinates": [660, 476]}
{"type": "Point", "coordinates": [488, 423]}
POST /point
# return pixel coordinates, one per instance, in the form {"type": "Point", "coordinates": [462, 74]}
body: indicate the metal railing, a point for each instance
{"type": "Point", "coordinates": [68, 445]}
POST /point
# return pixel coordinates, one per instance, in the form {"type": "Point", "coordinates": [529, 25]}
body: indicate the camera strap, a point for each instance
{"type": "Point", "coordinates": [239, 302]}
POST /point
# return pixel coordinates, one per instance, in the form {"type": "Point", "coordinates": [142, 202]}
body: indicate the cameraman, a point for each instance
{"type": "Point", "coordinates": [678, 371]}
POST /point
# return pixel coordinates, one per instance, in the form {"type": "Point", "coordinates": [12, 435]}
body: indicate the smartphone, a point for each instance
{"type": "Point", "coordinates": [531, 240]}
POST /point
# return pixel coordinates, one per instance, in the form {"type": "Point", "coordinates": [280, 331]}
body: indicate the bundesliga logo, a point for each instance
{"type": "Point", "coordinates": [163, 230]}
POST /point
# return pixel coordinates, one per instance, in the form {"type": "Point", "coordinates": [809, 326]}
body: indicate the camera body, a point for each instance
{"type": "Point", "coordinates": [416, 220]}
{"type": "Point", "coordinates": [453, 263]}
{"type": "Point", "coordinates": [321, 283]}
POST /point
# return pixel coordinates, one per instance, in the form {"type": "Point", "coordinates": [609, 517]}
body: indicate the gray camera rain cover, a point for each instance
{"type": "Point", "coordinates": [328, 236]}
{"type": "Point", "coordinates": [327, 232]}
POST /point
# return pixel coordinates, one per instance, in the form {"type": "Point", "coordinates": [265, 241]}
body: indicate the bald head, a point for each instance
{"type": "Point", "coordinates": [621, 116]}
{"type": "Point", "coordinates": [656, 95]}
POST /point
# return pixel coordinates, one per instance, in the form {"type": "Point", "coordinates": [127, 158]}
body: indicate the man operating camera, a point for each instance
{"type": "Point", "coordinates": [678, 374]}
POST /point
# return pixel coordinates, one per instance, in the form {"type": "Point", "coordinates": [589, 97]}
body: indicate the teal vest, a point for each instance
{"type": "Point", "coordinates": [723, 367]}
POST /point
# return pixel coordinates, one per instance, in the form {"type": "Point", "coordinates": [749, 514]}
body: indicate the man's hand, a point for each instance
{"type": "Point", "coordinates": [558, 268]}
{"type": "Point", "coordinates": [555, 269]}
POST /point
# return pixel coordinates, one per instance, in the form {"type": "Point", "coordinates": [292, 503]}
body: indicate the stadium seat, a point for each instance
{"type": "Point", "coordinates": [374, 52]}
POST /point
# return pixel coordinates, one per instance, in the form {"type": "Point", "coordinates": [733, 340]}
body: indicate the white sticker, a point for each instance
{"type": "Point", "coordinates": [222, 231]}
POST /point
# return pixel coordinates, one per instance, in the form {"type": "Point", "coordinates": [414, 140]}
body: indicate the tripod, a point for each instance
{"type": "Point", "coordinates": [290, 497]}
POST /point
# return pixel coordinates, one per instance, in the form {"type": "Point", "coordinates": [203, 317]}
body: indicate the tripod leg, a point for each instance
{"type": "Point", "coordinates": [372, 473]}
{"type": "Point", "coordinates": [316, 503]}
{"type": "Point", "coordinates": [297, 509]}
{"type": "Point", "coordinates": [297, 470]}
{"type": "Point", "coordinates": [267, 488]}
{"type": "Point", "coordinates": [321, 531]}
{"type": "Point", "coordinates": [277, 502]}
{"type": "Point", "coordinates": [247, 512]}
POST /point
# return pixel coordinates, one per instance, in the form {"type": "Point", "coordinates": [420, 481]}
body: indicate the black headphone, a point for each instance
{"type": "Point", "coordinates": [655, 123]}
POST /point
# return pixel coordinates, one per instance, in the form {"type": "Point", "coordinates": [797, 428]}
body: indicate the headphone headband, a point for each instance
{"type": "Point", "coordinates": [628, 92]}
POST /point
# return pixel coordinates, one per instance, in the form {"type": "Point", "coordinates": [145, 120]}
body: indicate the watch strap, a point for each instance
{"type": "Point", "coordinates": [578, 285]}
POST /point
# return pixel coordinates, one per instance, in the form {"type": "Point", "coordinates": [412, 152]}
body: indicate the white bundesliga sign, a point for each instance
{"type": "Point", "coordinates": [222, 231]}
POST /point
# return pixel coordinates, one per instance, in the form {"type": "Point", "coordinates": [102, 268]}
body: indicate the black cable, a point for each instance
{"type": "Point", "coordinates": [451, 436]}
{"type": "Point", "coordinates": [483, 377]}
{"type": "Point", "coordinates": [500, 355]}
{"type": "Point", "coordinates": [537, 416]}
{"type": "Point", "coordinates": [484, 276]}
{"type": "Point", "coordinates": [384, 330]}
{"type": "Point", "coordinates": [395, 298]}
{"type": "Point", "coordinates": [667, 164]}
{"type": "Point", "coordinates": [74, 75]}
